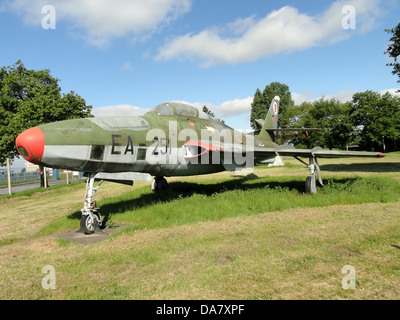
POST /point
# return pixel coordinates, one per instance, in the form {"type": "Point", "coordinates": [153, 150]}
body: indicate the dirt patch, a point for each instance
{"type": "Point", "coordinates": [79, 237]}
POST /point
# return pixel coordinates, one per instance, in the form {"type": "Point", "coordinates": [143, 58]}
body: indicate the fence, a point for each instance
{"type": "Point", "coordinates": [18, 176]}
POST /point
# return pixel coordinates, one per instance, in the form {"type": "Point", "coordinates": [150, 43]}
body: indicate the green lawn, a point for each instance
{"type": "Point", "coordinates": [214, 237]}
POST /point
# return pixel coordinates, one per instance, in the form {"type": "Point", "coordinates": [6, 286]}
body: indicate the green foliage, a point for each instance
{"type": "Point", "coordinates": [393, 49]}
{"type": "Point", "coordinates": [329, 115]}
{"type": "Point", "coordinates": [376, 118]}
{"type": "Point", "coordinates": [262, 101]}
{"type": "Point", "coordinates": [29, 98]}
{"type": "Point", "coordinates": [111, 224]}
{"type": "Point", "coordinates": [371, 121]}
{"type": "Point", "coordinates": [208, 111]}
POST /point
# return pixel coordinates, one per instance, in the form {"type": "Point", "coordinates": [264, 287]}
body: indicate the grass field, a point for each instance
{"type": "Point", "coordinates": [220, 236]}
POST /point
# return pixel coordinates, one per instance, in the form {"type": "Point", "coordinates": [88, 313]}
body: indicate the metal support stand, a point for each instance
{"type": "Point", "coordinates": [312, 187]}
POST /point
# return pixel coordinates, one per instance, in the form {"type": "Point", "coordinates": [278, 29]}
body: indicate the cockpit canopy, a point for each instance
{"type": "Point", "coordinates": [179, 109]}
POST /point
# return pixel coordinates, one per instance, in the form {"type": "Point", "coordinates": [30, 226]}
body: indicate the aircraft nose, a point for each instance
{"type": "Point", "coordinates": [30, 144]}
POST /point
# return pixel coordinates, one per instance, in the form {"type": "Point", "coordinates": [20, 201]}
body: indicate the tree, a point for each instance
{"type": "Point", "coordinates": [331, 116]}
{"type": "Point", "coordinates": [299, 116]}
{"type": "Point", "coordinates": [377, 119]}
{"type": "Point", "coordinates": [208, 111]}
{"type": "Point", "coordinates": [262, 101]}
{"type": "Point", "coordinates": [393, 50]}
{"type": "Point", "coordinates": [29, 98]}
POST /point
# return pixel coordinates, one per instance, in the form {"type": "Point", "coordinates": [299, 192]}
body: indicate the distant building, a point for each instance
{"type": "Point", "coordinates": [30, 167]}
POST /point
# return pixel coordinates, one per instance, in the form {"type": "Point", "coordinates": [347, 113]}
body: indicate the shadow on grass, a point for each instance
{"type": "Point", "coordinates": [181, 190]}
{"type": "Point", "coordinates": [363, 167]}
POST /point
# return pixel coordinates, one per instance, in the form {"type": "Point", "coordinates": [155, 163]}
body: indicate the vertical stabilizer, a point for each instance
{"type": "Point", "coordinates": [271, 121]}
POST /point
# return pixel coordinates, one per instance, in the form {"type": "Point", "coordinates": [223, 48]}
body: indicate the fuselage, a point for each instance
{"type": "Point", "coordinates": [172, 139]}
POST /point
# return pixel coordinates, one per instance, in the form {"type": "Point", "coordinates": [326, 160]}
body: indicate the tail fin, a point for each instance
{"type": "Point", "coordinates": [271, 121]}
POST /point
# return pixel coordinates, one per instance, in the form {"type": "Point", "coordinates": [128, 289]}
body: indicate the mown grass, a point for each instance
{"type": "Point", "coordinates": [31, 192]}
{"type": "Point", "coordinates": [214, 237]}
{"type": "Point", "coordinates": [186, 202]}
{"type": "Point", "coordinates": [297, 254]}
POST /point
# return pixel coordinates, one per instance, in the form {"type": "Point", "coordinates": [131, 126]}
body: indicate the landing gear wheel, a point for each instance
{"type": "Point", "coordinates": [311, 187]}
{"type": "Point", "coordinates": [159, 184]}
{"type": "Point", "coordinates": [88, 226]}
{"type": "Point", "coordinates": [162, 185]}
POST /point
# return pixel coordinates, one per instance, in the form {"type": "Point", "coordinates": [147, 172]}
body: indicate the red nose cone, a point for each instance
{"type": "Point", "coordinates": [30, 144]}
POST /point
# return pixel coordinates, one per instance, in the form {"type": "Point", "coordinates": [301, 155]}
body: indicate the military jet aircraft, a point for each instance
{"type": "Point", "coordinates": [172, 139]}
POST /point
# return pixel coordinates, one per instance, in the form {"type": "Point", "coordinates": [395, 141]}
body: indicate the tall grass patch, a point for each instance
{"type": "Point", "coordinates": [188, 203]}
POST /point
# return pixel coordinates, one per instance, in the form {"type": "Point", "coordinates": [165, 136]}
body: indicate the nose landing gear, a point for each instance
{"type": "Point", "coordinates": [91, 218]}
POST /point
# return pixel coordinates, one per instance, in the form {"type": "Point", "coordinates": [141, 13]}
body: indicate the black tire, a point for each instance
{"type": "Point", "coordinates": [87, 226]}
{"type": "Point", "coordinates": [159, 184]}
{"type": "Point", "coordinates": [162, 184]}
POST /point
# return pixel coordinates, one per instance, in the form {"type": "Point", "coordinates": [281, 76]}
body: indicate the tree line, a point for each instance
{"type": "Point", "coordinates": [371, 121]}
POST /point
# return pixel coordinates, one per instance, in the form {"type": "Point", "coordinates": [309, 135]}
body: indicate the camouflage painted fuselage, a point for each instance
{"type": "Point", "coordinates": [172, 139]}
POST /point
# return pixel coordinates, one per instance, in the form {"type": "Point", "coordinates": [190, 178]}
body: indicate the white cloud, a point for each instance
{"type": "Point", "coordinates": [342, 96]}
{"type": "Point", "coordinates": [282, 31]}
{"type": "Point", "coordinates": [118, 110]}
{"type": "Point", "coordinates": [393, 91]}
{"type": "Point", "coordinates": [299, 98]}
{"type": "Point", "coordinates": [226, 108]}
{"type": "Point", "coordinates": [103, 20]}
{"type": "Point", "coordinates": [234, 107]}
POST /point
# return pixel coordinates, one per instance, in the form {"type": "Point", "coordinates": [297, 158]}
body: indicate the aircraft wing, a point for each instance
{"type": "Point", "coordinates": [318, 152]}
{"type": "Point", "coordinates": [230, 151]}
{"type": "Point", "coordinates": [261, 156]}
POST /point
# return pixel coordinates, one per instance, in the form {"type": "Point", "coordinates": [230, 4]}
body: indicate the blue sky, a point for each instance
{"type": "Point", "coordinates": [126, 56]}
